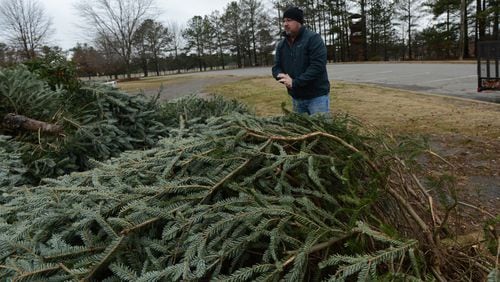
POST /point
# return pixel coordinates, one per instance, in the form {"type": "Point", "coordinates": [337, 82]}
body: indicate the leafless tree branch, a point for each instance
{"type": "Point", "coordinates": [25, 24]}
{"type": "Point", "coordinates": [116, 22]}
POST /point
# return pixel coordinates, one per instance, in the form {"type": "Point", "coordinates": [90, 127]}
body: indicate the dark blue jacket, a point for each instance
{"type": "Point", "coordinates": [305, 62]}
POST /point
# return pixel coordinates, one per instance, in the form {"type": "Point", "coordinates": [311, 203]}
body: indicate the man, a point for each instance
{"type": "Point", "coordinates": [300, 64]}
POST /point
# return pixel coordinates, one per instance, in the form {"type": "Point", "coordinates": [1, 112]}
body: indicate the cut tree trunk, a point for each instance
{"type": "Point", "coordinates": [19, 122]}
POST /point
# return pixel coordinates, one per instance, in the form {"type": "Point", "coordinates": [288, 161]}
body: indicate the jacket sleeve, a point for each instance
{"type": "Point", "coordinates": [317, 65]}
{"type": "Point", "coordinates": [277, 61]}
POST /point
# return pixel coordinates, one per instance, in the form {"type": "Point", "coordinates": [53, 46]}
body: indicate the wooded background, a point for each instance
{"type": "Point", "coordinates": [130, 36]}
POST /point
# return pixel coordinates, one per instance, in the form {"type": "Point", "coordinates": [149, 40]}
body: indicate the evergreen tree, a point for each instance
{"type": "Point", "coordinates": [194, 35]}
{"type": "Point", "coordinates": [210, 39]}
{"type": "Point", "coordinates": [216, 21]}
{"type": "Point", "coordinates": [232, 31]}
{"type": "Point", "coordinates": [265, 40]}
{"type": "Point", "coordinates": [176, 43]}
{"type": "Point", "coordinates": [251, 11]}
{"type": "Point", "coordinates": [151, 39]}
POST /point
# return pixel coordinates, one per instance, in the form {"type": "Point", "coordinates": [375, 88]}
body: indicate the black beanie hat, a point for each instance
{"type": "Point", "coordinates": [294, 13]}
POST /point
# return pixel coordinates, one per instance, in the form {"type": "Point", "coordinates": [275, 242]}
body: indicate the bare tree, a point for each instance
{"type": "Point", "coordinates": [25, 25]}
{"type": "Point", "coordinates": [463, 39]}
{"type": "Point", "coordinates": [116, 21]}
{"type": "Point", "coordinates": [112, 64]}
{"type": "Point", "coordinates": [409, 13]}
{"type": "Point", "coordinates": [88, 60]}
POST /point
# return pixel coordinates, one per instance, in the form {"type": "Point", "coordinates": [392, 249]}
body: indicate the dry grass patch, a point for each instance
{"type": "Point", "coordinates": [409, 112]}
{"type": "Point", "coordinates": [264, 96]}
{"type": "Point", "coordinates": [152, 83]}
{"type": "Point", "coordinates": [396, 110]}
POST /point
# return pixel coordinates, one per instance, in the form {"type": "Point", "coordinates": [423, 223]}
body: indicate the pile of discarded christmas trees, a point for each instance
{"type": "Point", "coordinates": [212, 192]}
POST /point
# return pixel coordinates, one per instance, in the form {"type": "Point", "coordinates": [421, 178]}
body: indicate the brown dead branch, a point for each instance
{"type": "Point", "coordinates": [16, 122]}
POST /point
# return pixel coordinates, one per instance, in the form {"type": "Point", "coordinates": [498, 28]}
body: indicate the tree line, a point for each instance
{"type": "Point", "coordinates": [129, 36]}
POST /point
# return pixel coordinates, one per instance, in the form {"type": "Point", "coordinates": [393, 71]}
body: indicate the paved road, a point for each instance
{"type": "Point", "coordinates": [457, 80]}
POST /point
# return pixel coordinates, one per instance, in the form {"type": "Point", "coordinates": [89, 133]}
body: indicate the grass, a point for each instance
{"type": "Point", "coordinates": [398, 111]}
{"type": "Point", "coordinates": [264, 96]}
{"type": "Point", "coordinates": [152, 82]}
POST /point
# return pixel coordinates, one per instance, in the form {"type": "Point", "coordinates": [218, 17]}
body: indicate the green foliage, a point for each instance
{"type": "Point", "coordinates": [233, 198]}
{"type": "Point", "coordinates": [494, 275]}
{"type": "Point", "coordinates": [190, 110]}
{"type": "Point", "coordinates": [99, 122]}
{"type": "Point", "coordinates": [366, 265]}
{"type": "Point", "coordinates": [491, 235]}
{"type": "Point", "coordinates": [53, 68]}
{"type": "Point", "coordinates": [21, 92]}
{"type": "Point", "coordinates": [11, 166]}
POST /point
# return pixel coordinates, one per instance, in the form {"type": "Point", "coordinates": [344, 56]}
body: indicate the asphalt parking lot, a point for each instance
{"type": "Point", "coordinates": [459, 80]}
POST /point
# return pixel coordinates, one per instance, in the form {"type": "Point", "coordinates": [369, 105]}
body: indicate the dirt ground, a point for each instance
{"type": "Point", "coordinates": [464, 132]}
{"type": "Point", "coordinates": [476, 165]}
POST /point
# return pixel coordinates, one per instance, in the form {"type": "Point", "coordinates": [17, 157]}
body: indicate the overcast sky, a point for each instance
{"type": "Point", "coordinates": [65, 17]}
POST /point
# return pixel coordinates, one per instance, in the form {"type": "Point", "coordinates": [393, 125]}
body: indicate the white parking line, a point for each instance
{"type": "Point", "coordinates": [364, 74]}
{"type": "Point", "coordinates": [398, 76]}
{"type": "Point", "coordinates": [452, 78]}
{"type": "Point", "coordinates": [342, 72]}
{"type": "Point", "coordinates": [380, 72]}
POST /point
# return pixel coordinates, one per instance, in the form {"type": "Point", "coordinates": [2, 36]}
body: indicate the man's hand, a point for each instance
{"type": "Point", "coordinates": [285, 79]}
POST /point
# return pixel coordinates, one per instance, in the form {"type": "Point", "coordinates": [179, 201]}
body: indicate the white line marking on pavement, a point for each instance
{"type": "Point", "coordinates": [398, 76]}
{"type": "Point", "coordinates": [342, 72]}
{"type": "Point", "coordinates": [381, 72]}
{"type": "Point", "coordinates": [367, 74]}
{"type": "Point", "coordinates": [453, 78]}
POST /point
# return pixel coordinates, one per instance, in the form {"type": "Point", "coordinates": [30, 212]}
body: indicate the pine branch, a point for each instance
{"type": "Point", "coordinates": [35, 273]}
{"type": "Point", "coordinates": [138, 226]}
{"type": "Point", "coordinates": [230, 175]}
{"type": "Point", "coordinates": [363, 264]}
{"type": "Point", "coordinates": [225, 179]}
{"type": "Point", "coordinates": [70, 254]}
{"type": "Point", "coordinates": [110, 251]}
{"type": "Point", "coordinates": [320, 247]}
{"type": "Point", "coordinates": [311, 135]}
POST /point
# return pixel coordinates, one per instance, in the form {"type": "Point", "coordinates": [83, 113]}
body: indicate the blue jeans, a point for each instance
{"type": "Point", "coordinates": [312, 106]}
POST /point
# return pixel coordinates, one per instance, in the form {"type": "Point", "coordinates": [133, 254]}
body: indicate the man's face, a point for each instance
{"type": "Point", "coordinates": [291, 27]}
